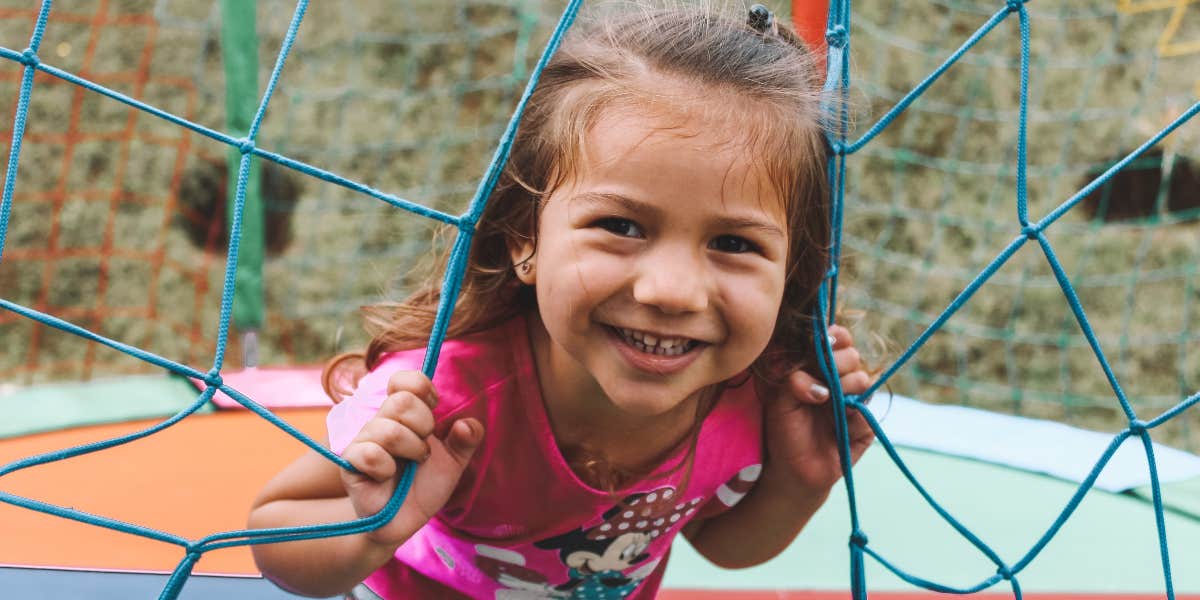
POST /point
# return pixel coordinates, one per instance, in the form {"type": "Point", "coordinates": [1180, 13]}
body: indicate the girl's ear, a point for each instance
{"type": "Point", "coordinates": [524, 256]}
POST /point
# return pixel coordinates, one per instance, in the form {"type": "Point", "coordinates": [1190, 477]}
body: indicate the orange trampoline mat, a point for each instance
{"type": "Point", "coordinates": [194, 479]}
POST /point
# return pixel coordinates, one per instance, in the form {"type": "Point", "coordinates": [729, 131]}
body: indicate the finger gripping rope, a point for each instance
{"type": "Point", "coordinates": [838, 82]}
{"type": "Point", "coordinates": [30, 58]}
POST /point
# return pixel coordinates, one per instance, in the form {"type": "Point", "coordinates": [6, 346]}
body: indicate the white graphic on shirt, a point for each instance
{"type": "Point", "coordinates": [731, 492]}
{"type": "Point", "coordinates": [595, 558]}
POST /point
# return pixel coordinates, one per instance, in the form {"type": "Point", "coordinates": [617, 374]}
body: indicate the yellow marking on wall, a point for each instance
{"type": "Point", "coordinates": [1167, 45]}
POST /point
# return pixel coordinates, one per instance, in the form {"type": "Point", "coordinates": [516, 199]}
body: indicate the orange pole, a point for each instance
{"type": "Point", "coordinates": [810, 17]}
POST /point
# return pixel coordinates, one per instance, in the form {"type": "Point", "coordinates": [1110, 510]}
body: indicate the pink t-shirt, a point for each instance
{"type": "Point", "coordinates": [521, 524]}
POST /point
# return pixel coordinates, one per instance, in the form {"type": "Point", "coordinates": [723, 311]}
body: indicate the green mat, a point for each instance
{"type": "Point", "coordinates": [49, 407]}
{"type": "Point", "coordinates": [1109, 544]}
{"type": "Point", "coordinates": [1182, 497]}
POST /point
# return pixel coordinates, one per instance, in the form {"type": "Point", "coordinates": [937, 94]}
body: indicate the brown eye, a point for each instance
{"type": "Point", "coordinates": [621, 227]}
{"type": "Point", "coordinates": [732, 244]}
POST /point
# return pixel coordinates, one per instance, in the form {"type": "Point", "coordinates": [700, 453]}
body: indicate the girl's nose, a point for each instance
{"type": "Point", "coordinates": [672, 283]}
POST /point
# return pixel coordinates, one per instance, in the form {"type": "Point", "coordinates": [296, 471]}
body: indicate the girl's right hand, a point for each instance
{"type": "Point", "coordinates": [401, 431]}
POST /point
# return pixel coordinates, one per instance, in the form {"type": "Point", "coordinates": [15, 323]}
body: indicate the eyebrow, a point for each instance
{"type": "Point", "coordinates": [600, 199]}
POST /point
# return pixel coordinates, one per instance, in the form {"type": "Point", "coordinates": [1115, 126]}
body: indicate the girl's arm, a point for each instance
{"type": "Point", "coordinates": [309, 491]}
{"type": "Point", "coordinates": [759, 527]}
{"type": "Point", "coordinates": [313, 490]}
{"type": "Point", "coordinates": [801, 466]}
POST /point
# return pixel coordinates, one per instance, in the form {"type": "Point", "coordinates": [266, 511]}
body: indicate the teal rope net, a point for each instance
{"type": "Point", "coordinates": [465, 223]}
{"type": "Point", "coordinates": [933, 194]}
{"type": "Point", "coordinates": [1026, 230]}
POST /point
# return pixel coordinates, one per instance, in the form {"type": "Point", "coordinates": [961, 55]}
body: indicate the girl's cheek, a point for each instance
{"type": "Point", "coordinates": [601, 269]}
{"type": "Point", "coordinates": [759, 287]}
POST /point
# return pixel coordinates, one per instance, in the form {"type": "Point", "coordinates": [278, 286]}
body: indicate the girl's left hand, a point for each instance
{"type": "Point", "coordinates": [802, 448]}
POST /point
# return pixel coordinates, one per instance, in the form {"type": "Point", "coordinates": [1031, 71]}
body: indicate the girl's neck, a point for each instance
{"type": "Point", "coordinates": [581, 415]}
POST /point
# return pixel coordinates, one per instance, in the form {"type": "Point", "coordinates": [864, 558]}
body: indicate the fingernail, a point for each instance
{"type": "Point", "coordinates": [832, 340]}
{"type": "Point", "coordinates": [821, 391]}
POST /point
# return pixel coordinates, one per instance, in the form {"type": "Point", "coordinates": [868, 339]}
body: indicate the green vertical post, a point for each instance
{"type": "Point", "coordinates": [239, 50]}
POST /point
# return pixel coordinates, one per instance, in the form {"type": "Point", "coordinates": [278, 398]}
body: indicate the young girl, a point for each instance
{"type": "Point", "coordinates": [628, 357]}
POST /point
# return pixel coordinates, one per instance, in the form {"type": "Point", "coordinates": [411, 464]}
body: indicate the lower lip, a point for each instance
{"type": "Point", "coordinates": [654, 363]}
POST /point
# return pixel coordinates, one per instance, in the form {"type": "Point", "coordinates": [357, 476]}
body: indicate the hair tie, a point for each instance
{"type": "Point", "coordinates": [761, 19]}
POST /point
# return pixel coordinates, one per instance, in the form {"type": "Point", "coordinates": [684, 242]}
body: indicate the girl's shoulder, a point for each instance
{"type": "Point", "coordinates": [466, 365]}
{"type": "Point", "coordinates": [469, 368]}
{"type": "Point", "coordinates": [468, 362]}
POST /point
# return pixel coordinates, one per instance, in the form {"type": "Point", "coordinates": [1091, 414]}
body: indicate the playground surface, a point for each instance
{"type": "Point", "coordinates": [199, 477]}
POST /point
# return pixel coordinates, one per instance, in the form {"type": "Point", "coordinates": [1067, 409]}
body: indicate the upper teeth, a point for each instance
{"type": "Point", "coordinates": [651, 343]}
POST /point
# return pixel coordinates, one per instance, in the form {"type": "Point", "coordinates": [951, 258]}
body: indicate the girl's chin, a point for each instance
{"type": "Point", "coordinates": [646, 402]}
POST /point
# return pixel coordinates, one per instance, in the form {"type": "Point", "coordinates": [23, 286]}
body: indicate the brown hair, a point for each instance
{"type": "Point", "coordinates": [775, 83]}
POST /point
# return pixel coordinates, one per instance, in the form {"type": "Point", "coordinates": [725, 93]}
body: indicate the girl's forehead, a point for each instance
{"type": "Point", "coordinates": [625, 137]}
{"type": "Point", "coordinates": [675, 106]}
{"type": "Point", "coordinates": [695, 125]}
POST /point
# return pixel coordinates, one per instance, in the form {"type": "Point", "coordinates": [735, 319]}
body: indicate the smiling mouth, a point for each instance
{"type": "Point", "coordinates": [658, 346]}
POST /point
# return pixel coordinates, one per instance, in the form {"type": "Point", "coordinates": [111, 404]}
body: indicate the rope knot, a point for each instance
{"type": "Point", "coordinates": [1015, 5]}
{"type": "Point", "coordinates": [30, 58]}
{"type": "Point", "coordinates": [1004, 572]}
{"type": "Point", "coordinates": [858, 538]}
{"type": "Point", "coordinates": [1137, 427]}
{"type": "Point", "coordinates": [213, 379]}
{"type": "Point", "coordinates": [1030, 232]}
{"type": "Point", "coordinates": [245, 145]}
{"type": "Point", "coordinates": [836, 37]}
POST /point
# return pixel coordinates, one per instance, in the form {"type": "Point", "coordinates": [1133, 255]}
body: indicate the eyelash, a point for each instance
{"type": "Point", "coordinates": [619, 226]}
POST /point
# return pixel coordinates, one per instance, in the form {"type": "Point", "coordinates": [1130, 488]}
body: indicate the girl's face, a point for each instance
{"type": "Point", "coordinates": [659, 266]}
